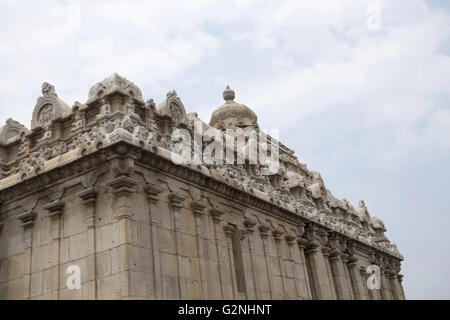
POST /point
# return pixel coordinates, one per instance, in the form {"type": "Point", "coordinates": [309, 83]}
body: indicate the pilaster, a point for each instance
{"type": "Point", "coordinates": [27, 219]}
{"type": "Point", "coordinates": [153, 193]}
{"type": "Point", "coordinates": [89, 199]}
{"type": "Point", "coordinates": [55, 210]}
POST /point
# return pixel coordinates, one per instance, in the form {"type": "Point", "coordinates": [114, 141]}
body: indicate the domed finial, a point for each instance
{"type": "Point", "coordinates": [228, 94]}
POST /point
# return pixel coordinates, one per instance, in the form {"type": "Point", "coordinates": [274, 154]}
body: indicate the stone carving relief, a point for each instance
{"type": "Point", "coordinates": [173, 108]}
{"type": "Point", "coordinates": [48, 108]}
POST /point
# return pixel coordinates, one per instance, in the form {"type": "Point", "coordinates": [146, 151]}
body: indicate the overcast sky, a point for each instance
{"type": "Point", "coordinates": [364, 101]}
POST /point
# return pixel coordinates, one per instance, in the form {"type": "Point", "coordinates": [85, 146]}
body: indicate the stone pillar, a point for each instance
{"type": "Point", "coordinates": [198, 209]}
{"type": "Point", "coordinates": [153, 197]}
{"type": "Point", "coordinates": [89, 198]}
{"type": "Point", "coordinates": [301, 242]}
{"type": "Point", "coordinates": [250, 228]}
{"type": "Point", "coordinates": [247, 264]}
{"type": "Point", "coordinates": [229, 231]}
{"type": "Point", "coordinates": [55, 210]}
{"type": "Point", "coordinates": [386, 292]}
{"type": "Point", "coordinates": [316, 254]}
{"type": "Point", "coordinates": [176, 203]}
{"type": "Point", "coordinates": [27, 220]}
{"type": "Point", "coordinates": [217, 214]}
{"type": "Point", "coordinates": [355, 279]}
{"type": "Point", "coordinates": [399, 284]}
{"type": "Point", "coordinates": [278, 236]}
{"type": "Point", "coordinates": [123, 189]}
{"type": "Point", "coordinates": [338, 260]}
{"type": "Point", "coordinates": [264, 230]}
{"type": "Point", "coordinates": [392, 277]}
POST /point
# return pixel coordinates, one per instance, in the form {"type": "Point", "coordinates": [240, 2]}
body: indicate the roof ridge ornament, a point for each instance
{"type": "Point", "coordinates": [48, 89]}
{"type": "Point", "coordinates": [229, 94]}
{"type": "Point", "coordinates": [48, 107]}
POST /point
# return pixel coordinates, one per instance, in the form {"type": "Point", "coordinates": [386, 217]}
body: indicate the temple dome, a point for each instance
{"type": "Point", "coordinates": [232, 114]}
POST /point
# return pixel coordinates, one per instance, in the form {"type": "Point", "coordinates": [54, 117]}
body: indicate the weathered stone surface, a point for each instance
{"type": "Point", "coordinates": [95, 187]}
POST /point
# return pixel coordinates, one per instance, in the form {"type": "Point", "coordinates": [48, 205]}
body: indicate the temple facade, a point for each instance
{"type": "Point", "coordinates": [93, 191]}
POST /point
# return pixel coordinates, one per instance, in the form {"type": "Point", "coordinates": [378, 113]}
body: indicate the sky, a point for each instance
{"type": "Point", "coordinates": [358, 88]}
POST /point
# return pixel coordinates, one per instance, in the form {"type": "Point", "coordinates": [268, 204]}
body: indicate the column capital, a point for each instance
{"type": "Point", "coordinates": [312, 246]}
{"type": "Point", "coordinates": [88, 195]}
{"type": "Point", "coordinates": [302, 242]}
{"type": "Point", "coordinates": [27, 218]}
{"type": "Point", "coordinates": [217, 214]}
{"type": "Point", "coordinates": [54, 208]}
{"type": "Point", "coordinates": [250, 224]}
{"type": "Point", "coordinates": [290, 238]}
{"type": "Point", "coordinates": [277, 234]}
{"type": "Point", "coordinates": [122, 184]}
{"type": "Point", "coordinates": [176, 200]}
{"type": "Point", "coordinates": [198, 208]}
{"type": "Point", "coordinates": [153, 192]}
{"type": "Point", "coordinates": [229, 229]}
{"type": "Point", "coordinates": [264, 229]}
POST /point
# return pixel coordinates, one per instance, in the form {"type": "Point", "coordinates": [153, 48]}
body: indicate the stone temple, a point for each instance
{"type": "Point", "coordinates": [95, 186]}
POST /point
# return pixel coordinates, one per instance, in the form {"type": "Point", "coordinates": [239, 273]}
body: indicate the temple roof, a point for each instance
{"type": "Point", "coordinates": [232, 114]}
